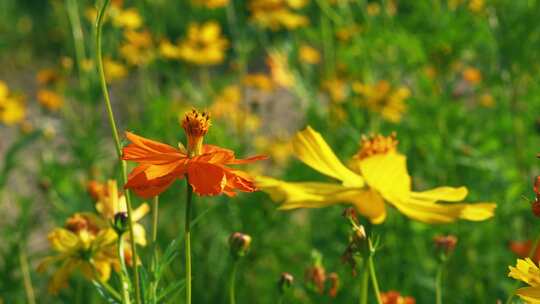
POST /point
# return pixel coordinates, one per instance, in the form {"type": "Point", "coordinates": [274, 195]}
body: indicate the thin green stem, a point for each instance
{"type": "Point", "coordinates": [78, 37]}
{"type": "Point", "coordinates": [28, 288]}
{"type": "Point", "coordinates": [153, 265]}
{"type": "Point", "coordinates": [438, 284]}
{"type": "Point", "coordinates": [114, 129]}
{"type": "Point", "coordinates": [372, 274]}
{"type": "Point", "coordinates": [123, 271]}
{"type": "Point", "coordinates": [187, 237]}
{"type": "Point", "coordinates": [232, 280]}
{"type": "Point", "coordinates": [364, 285]}
{"type": "Point", "coordinates": [104, 284]}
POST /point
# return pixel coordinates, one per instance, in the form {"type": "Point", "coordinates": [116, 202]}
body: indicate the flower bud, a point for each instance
{"type": "Point", "coordinates": [120, 223]}
{"type": "Point", "coordinates": [239, 244]}
{"type": "Point", "coordinates": [535, 207]}
{"type": "Point", "coordinates": [285, 282]}
{"type": "Point", "coordinates": [447, 243]}
{"type": "Point", "coordinates": [334, 284]}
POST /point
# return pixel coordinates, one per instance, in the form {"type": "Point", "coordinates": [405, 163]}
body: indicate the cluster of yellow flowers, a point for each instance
{"type": "Point", "coordinates": [278, 14]}
{"type": "Point", "coordinates": [203, 45]}
{"type": "Point", "coordinates": [87, 242]}
{"type": "Point", "coordinates": [383, 99]}
{"type": "Point", "coordinates": [211, 4]}
{"type": "Point", "coordinates": [12, 108]}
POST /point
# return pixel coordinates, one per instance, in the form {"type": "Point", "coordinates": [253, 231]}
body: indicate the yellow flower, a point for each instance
{"type": "Point", "coordinates": [4, 91]}
{"type": "Point", "coordinates": [127, 18]}
{"type": "Point", "coordinates": [472, 75]}
{"type": "Point", "coordinates": [382, 99]}
{"type": "Point", "coordinates": [204, 44]}
{"type": "Point", "coordinates": [277, 14]}
{"type": "Point", "coordinates": [527, 271]}
{"type": "Point", "coordinates": [259, 81]}
{"type": "Point", "coordinates": [114, 70]}
{"type": "Point", "coordinates": [47, 76]}
{"type": "Point", "coordinates": [110, 202]}
{"type": "Point", "coordinates": [12, 111]}
{"type": "Point", "coordinates": [336, 88]}
{"type": "Point", "coordinates": [280, 72]}
{"type": "Point", "coordinates": [50, 99]}
{"type": "Point", "coordinates": [309, 54]}
{"type": "Point", "coordinates": [378, 174]}
{"type": "Point", "coordinates": [169, 50]}
{"type": "Point", "coordinates": [138, 48]}
{"type": "Point", "coordinates": [227, 107]}
{"type": "Point", "coordinates": [85, 245]}
{"type": "Point", "coordinates": [211, 3]}
{"type": "Point", "coordinates": [487, 101]}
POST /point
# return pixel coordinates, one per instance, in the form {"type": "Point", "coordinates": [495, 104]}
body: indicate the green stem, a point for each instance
{"type": "Point", "coordinates": [438, 284]}
{"type": "Point", "coordinates": [104, 284]}
{"type": "Point", "coordinates": [29, 290]}
{"type": "Point", "coordinates": [78, 38]}
{"type": "Point", "coordinates": [187, 237]}
{"type": "Point", "coordinates": [372, 274]}
{"type": "Point", "coordinates": [123, 271]}
{"type": "Point", "coordinates": [364, 285]}
{"type": "Point", "coordinates": [153, 265]}
{"type": "Point", "coordinates": [232, 280]}
{"type": "Point", "coordinates": [99, 57]}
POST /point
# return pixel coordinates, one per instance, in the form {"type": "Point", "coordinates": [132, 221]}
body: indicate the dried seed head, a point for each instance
{"type": "Point", "coordinates": [445, 242]}
{"type": "Point", "coordinates": [285, 281]}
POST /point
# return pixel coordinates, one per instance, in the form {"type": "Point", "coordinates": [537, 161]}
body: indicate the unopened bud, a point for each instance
{"type": "Point", "coordinates": [447, 243]}
{"type": "Point", "coordinates": [120, 223]}
{"type": "Point", "coordinates": [285, 282]}
{"type": "Point", "coordinates": [535, 207]}
{"type": "Point", "coordinates": [239, 244]}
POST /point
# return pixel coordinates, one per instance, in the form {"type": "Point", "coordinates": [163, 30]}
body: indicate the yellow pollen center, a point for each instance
{"type": "Point", "coordinates": [196, 125]}
{"type": "Point", "coordinates": [376, 144]}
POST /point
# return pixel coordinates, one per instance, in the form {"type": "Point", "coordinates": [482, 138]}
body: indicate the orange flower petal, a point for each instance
{"type": "Point", "coordinates": [206, 178]}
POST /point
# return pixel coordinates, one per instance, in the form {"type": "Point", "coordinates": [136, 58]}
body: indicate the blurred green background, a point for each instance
{"type": "Point", "coordinates": [455, 79]}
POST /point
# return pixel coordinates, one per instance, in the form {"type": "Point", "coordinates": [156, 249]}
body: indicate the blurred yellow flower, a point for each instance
{"type": "Point", "coordinates": [378, 173]}
{"type": "Point", "coordinates": [277, 14]}
{"type": "Point", "coordinates": [204, 44]}
{"type": "Point", "coordinates": [345, 34]}
{"type": "Point", "coordinates": [476, 6]}
{"type": "Point", "coordinates": [472, 75]}
{"type": "Point", "coordinates": [211, 3]}
{"type": "Point", "coordinates": [12, 108]}
{"type": "Point", "coordinates": [50, 100]}
{"type": "Point", "coordinates": [84, 245]}
{"type": "Point", "coordinates": [114, 70]}
{"type": "Point", "coordinates": [309, 54]}
{"type": "Point", "coordinates": [137, 48]}
{"type": "Point", "coordinates": [382, 99]}
{"type": "Point", "coordinates": [373, 9]}
{"type": "Point", "coordinates": [259, 81]}
{"type": "Point", "coordinates": [337, 89]}
{"type": "Point", "coordinates": [127, 18]}
{"type": "Point", "coordinates": [168, 50]}
{"type": "Point", "coordinates": [111, 202]}
{"type": "Point", "coordinates": [280, 72]}
{"type": "Point", "coordinates": [47, 76]}
{"type": "Point", "coordinates": [279, 150]}
{"type": "Point", "coordinates": [527, 271]}
{"type": "Point", "coordinates": [227, 106]}
{"type": "Point", "coordinates": [487, 101]}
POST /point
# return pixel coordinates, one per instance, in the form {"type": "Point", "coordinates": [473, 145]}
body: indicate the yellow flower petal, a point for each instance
{"type": "Point", "coordinates": [140, 212]}
{"type": "Point", "coordinates": [61, 276]}
{"type": "Point", "coordinates": [530, 295]}
{"type": "Point", "coordinates": [63, 240]}
{"type": "Point", "coordinates": [318, 195]}
{"type": "Point", "coordinates": [311, 149]}
{"type": "Point", "coordinates": [387, 173]}
{"type": "Point", "coordinates": [526, 271]}
{"type": "Point", "coordinates": [428, 211]}
{"type": "Point", "coordinates": [447, 194]}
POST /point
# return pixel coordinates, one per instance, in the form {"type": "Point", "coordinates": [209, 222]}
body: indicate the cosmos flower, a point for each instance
{"type": "Point", "coordinates": [205, 166]}
{"type": "Point", "coordinates": [527, 271]}
{"type": "Point", "coordinates": [378, 174]}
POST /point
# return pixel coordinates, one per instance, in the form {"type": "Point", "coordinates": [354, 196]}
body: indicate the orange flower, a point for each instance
{"type": "Point", "coordinates": [159, 165]}
{"type": "Point", "coordinates": [394, 297]}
